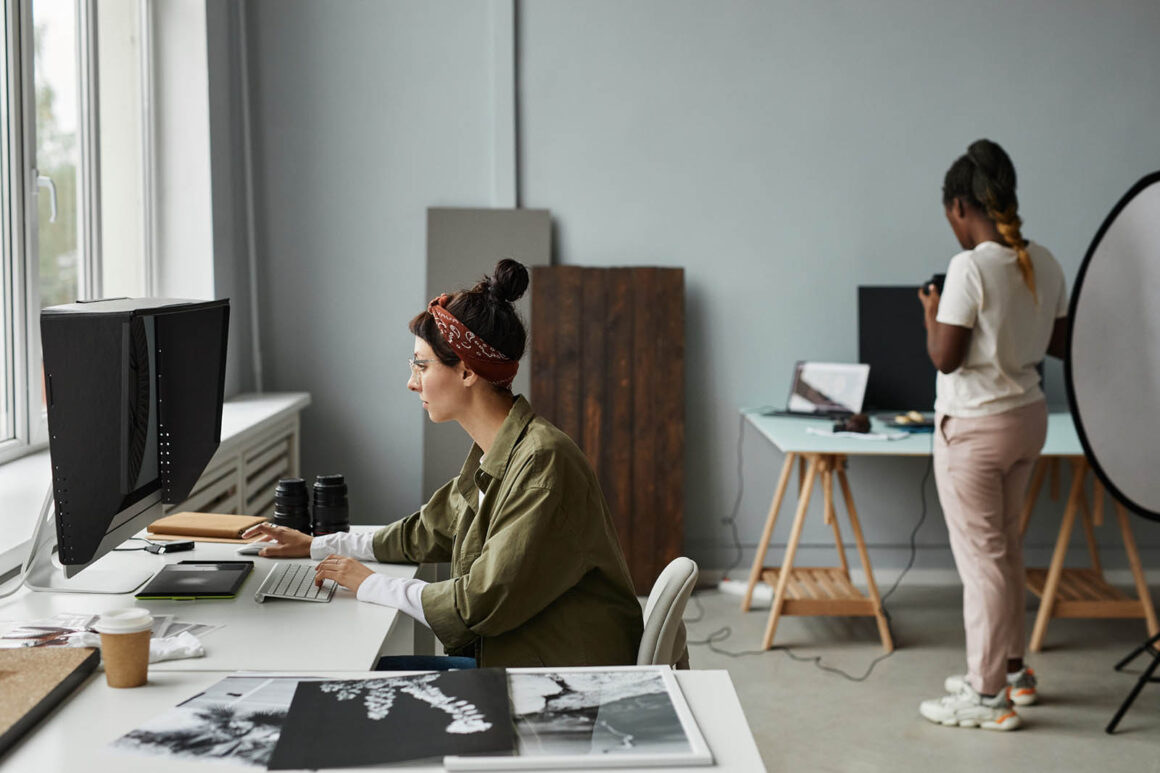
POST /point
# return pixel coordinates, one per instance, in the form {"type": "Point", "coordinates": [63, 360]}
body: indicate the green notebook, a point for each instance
{"type": "Point", "coordinates": [198, 580]}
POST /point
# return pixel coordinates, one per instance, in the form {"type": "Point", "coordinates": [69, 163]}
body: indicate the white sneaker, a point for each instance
{"type": "Point", "coordinates": [1022, 686]}
{"type": "Point", "coordinates": [967, 708]}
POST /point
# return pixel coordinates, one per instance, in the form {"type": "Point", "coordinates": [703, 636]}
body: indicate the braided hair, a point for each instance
{"type": "Point", "coordinates": [984, 177]}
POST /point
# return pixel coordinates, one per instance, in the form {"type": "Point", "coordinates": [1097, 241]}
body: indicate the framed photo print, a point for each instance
{"type": "Point", "coordinates": [626, 716]}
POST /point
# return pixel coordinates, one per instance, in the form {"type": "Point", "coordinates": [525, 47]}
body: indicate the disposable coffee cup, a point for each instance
{"type": "Point", "coordinates": [125, 637]}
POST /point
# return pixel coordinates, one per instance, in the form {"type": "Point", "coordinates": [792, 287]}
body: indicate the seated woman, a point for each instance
{"type": "Point", "coordinates": [537, 575]}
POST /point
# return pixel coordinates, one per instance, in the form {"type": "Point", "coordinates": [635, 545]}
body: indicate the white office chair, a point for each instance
{"type": "Point", "coordinates": [664, 642]}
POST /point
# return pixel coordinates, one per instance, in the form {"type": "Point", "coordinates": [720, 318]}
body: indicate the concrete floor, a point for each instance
{"type": "Point", "coordinates": [805, 719]}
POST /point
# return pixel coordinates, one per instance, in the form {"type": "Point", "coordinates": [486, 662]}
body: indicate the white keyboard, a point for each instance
{"type": "Point", "coordinates": [293, 581]}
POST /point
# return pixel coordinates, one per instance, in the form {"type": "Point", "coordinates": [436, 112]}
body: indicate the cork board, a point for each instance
{"type": "Point", "coordinates": [33, 680]}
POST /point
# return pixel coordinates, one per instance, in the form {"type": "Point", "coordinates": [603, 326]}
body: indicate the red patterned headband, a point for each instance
{"type": "Point", "coordinates": [483, 358]}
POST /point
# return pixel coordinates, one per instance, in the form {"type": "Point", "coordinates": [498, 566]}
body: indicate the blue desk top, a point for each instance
{"type": "Point", "coordinates": [790, 435]}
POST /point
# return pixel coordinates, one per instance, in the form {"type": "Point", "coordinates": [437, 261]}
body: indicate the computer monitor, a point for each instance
{"type": "Point", "coordinates": [134, 389]}
{"type": "Point", "coordinates": [892, 341]}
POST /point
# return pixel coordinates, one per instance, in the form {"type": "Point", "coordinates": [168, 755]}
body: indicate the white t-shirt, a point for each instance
{"type": "Point", "coordinates": [985, 291]}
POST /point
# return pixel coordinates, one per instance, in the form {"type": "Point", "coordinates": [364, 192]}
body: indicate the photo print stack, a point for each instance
{"type": "Point", "coordinates": [301, 722]}
{"type": "Point", "coordinates": [338, 724]}
{"type": "Point", "coordinates": [236, 720]}
{"type": "Point", "coordinates": [631, 716]}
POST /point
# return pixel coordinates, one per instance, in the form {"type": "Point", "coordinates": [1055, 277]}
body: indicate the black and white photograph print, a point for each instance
{"type": "Point", "coordinates": [53, 632]}
{"type": "Point", "coordinates": [236, 720]}
{"type": "Point", "coordinates": [597, 717]}
{"type": "Point", "coordinates": [343, 723]}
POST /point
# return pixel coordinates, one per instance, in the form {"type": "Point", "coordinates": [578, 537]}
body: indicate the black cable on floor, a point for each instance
{"type": "Point", "coordinates": [723, 633]}
{"type": "Point", "coordinates": [731, 519]}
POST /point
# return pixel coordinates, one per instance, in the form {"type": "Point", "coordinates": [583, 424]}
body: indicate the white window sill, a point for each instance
{"type": "Point", "coordinates": [25, 481]}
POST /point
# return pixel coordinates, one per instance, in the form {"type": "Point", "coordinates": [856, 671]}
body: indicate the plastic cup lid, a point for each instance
{"type": "Point", "coordinates": [128, 620]}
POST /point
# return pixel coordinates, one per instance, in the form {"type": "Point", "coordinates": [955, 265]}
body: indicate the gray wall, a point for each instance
{"type": "Point", "coordinates": [231, 267]}
{"type": "Point", "coordinates": [781, 152]}
{"type": "Point", "coordinates": [201, 224]}
{"type": "Point", "coordinates": [462, 246]}
{"type": "Point", "coordinates": [364, 114]}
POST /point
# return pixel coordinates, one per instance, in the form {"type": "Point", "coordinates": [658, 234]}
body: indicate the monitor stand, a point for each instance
{"type": "Point", "coordinates": [42, 573]}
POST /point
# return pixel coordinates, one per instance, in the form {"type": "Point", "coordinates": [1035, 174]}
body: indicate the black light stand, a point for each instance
{"type": "Point", "coordinates": [1145, 677]}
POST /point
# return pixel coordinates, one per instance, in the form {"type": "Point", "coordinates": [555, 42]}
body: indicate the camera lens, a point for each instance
{"type": "Point", "coordinates": [292, 505]}
{"type": "Point", "coordinates": [331, 510]}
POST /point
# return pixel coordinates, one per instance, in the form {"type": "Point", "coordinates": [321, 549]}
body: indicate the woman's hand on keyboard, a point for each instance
{"type": "Point", "coordinates": [284, 543]}
{"type": "Point", "coordinates": [344, 570]}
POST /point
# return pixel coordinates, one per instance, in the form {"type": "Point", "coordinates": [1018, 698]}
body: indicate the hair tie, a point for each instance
{"type": "Point", "coordinates": [490, 363]}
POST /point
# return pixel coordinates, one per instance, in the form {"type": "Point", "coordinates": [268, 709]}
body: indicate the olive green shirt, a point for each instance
{"type": "Point", "coordinates": [537, 574]}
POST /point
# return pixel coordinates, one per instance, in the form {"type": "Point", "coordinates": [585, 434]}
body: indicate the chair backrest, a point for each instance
{"type": "Point", "coordinates": [663, 626]}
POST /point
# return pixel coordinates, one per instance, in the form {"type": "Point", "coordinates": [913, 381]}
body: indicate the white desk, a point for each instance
{"type": "Point", "coordinates": [342, 635]}
{"type": "Point", "coordinates": [342, 638]}
{"type": "Point", "coordinates": [77, 735]}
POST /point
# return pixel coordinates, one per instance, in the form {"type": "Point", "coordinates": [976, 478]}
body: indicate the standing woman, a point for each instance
{"type": "Point", "coordinates": [1002, 308]}
{"type": "Point", "coordinates": [537, 574]}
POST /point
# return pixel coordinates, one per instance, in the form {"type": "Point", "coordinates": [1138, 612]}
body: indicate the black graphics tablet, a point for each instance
{"type": "Point", "coordinates": [198, 580]}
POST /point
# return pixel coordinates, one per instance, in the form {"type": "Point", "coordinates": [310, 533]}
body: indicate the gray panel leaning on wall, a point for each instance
{"type": "Point", "coordinates": [462, 246]}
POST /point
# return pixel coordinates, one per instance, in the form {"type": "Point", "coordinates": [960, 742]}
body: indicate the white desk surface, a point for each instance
{"type": "Point", "coordinates": [77, 735]}
{"type": "Point", "coordinates": [790, 435]}
{"type": "Point", "coordinates": [343, 634]}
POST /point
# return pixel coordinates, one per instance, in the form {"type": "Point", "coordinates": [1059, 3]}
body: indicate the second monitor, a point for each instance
{"type": "Point", "coordinates": [892, 341]}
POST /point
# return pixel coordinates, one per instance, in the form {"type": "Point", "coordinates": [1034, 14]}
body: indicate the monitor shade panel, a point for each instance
{"type": "Point", "coordinates": [134, 390]}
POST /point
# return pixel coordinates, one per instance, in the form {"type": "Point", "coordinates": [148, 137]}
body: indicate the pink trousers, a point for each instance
{"type": "Point", "coordinates": [982, 466]}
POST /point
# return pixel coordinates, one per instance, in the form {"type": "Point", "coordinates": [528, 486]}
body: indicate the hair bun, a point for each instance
{"type": "Point", "coordinates": [508, 282]}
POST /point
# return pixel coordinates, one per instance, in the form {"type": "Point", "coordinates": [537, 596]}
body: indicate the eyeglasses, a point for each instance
{"type": "Point", "coordinates": [416, 366]}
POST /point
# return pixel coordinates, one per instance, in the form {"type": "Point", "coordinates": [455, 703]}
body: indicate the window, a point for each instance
{"type": "Point", "coordinates": [74, 180]}
{"type": "Point", "coordinates": [10, 228]}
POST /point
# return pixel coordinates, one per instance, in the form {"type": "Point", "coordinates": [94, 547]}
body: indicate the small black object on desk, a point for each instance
{"type": "Point", "coordinates": [331, 508]}
{"type": "Point", "coordinates": [292, 505]}
{"type": "Point", "coordinates": [858, 422]}
{"type": "Point", "coordinates": [176, 546]}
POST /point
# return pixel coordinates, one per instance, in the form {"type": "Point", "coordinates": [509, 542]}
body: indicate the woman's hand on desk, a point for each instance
{"type": "Point", "coordinates": [284, 543]}
{"type": "Point", "coordinates": [344, 570]}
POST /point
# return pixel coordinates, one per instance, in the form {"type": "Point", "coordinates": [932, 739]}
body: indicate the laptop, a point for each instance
{"type": "Point", "coordinates": [826, 389]}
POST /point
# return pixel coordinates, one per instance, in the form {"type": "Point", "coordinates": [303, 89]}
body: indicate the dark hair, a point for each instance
{"type": "Point", "coordinates": [485, 310]}
{"type": "Point", "coordinates": [984, 178]}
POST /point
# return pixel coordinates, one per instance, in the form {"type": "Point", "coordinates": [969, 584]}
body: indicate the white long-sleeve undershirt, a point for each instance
{"type": "Point", "coordinates": [402, 594]}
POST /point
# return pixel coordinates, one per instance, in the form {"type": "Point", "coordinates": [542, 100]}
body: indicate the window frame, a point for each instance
{"type": "Point", "coordinates": [35, 421]}
{"type": "Point", "coordinates": [15, 109]}
{"type": "Point", "coordinates": [89, 161]}
{"type": "Point", "coordinates": [19, 260]}
{"type": "Point", "coordinates": [19, 272]}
